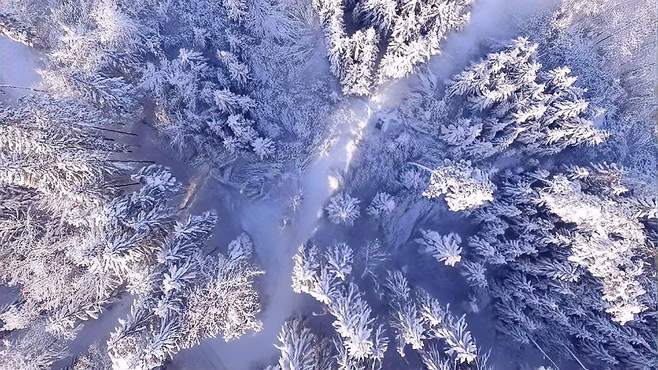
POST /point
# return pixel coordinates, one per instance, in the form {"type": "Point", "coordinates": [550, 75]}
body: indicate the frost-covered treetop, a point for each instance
{"type": "Point", "coordinates": [410, 32]}
{"type": "Point", "coordinates": [503, 104]}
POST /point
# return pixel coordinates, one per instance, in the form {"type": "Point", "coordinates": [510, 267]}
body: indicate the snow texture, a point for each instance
{"type": "Point", "coordinates": [18, 65]}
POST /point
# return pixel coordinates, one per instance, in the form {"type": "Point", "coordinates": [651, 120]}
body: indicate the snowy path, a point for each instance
{"type": "Point", "coordinates": [18, 64]}
{"type": "Point", "coordinates": [491, 20]}
{"type": "Point", "coordinates": [275, 247]}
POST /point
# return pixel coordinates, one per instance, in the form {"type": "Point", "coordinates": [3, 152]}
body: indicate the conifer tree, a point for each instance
{"type": "Point", "coordinates": [343, 209]}
{"type": "Point", "coordinates": [302, 349]}
{"type": "Point", "coordinates": [316, 274]}
{"type": "Point", "coordinates": [566, 258]}
{"type": "Point", "coordinates": [410, 32]}
{"type": "Point", "coordinates": [190, 297]}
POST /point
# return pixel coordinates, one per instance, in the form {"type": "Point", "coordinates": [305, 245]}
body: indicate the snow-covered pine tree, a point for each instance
{"type": "Point", "coordinates": [513, 107]}
{"type": "Point", "coordinates": [33, 349]}
{"type": "Point", "coordinates": [454, 332]}
{"type": "Point", "coordinates": [17, 30]}
{"type": "Point", "coordinates": [381, 205]}
{"type": "Point", "coordinates": [416, 33]}
{"type": "Point", "coordinates": [411, 33]}
{"type": "Point", "coordinates": [351, 57]}
{"type": "Point", "coordinates": [354, 321]}
{"type": "Point", "coordinates": [237, 70]}
{"type": "Point", "coordinates": [110, 52]}
{"type": "Point", "coordinates": [513, 92]}
{"type": "Point", "coordinates": [444, 248]}
{"type": "Point", "coordinates": [300, 348]}
{"type": "Point", "coordinates": [96, 49]}
{"type": "Point", "coordinates": [610, 238]}
{"type": "Point", "coordinates": [137, 222]}
{"type": "Point", "coordinates": [361, 340]}
{"type": "Point", "coordinates": [310, 277]}
{"type": "Point", "coordinates": [227, 302]}
{"type": "Point", "coordinates": [339, 260]}
{"type": "Point", "coordinates": [549, 238]}
{"type": "Point", "coordinates": [463, 186]}
{"type": "Point", "coordinates": [434, 359]}
{"type": "Point", "coordinates": [95, 358]}
{"type": "Point", "coordinates": [377, 13]}
{"type": "Point", "coordinates": [181, 305]}
{"type": "Point", "coordinates": [343, 209]}
{"type": "Point", "coordinates": [371, 259]}
{"type": "Point", "coordinates": [57, 148]}
{"type": "Point", "coordinates": [405, 317]}
{"type": "Point", "coordinates": [59, 179]}
{"type": "Point", "coordinates": [421, 322]}
{"type": "Point", "coordinates": [610, 47]}
{"type": "Point", "coordinates": [111, 93]}
{"type": "Point", "coordinates": [356, 56]}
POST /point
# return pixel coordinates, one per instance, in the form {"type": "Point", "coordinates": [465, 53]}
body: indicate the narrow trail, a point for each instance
{"type": "Point", "coordinates": [18, 64]}
{"type": "Point", "coordinates": [275, 246]}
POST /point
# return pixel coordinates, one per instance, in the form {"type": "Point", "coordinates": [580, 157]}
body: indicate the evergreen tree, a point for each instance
{"type": "Point", "coordinates": [421, 322]}
{"type": "Point", "coordinates": [444, 248]}
{"type": "Point", "coordinates": [302, 349]}
{"type": "Point", "coordinates": [190, 297]}
{"type": "Point", "coordinates": [519, 107]}
{"type": "Point", "coordinates": [354, 321]}
{"type": "Point", "coordinates": [417, 31]}
{"type": "Point", "coordinates": [343, 209]}
{"type": "Point", "coordinates": [57, 181]}
{"type": "Point", "coordinates": [34, 349]}
{"type": "Point", "coordinates": [411, 32]}
{"type": "Point", "coordinates": [382, 205]}
{"type": "Point", "coordinates": [610, 46]}
{"type": "Point", "coordinates": [464, 187]}
{"type": "Point", "coordinates": [555, 250]}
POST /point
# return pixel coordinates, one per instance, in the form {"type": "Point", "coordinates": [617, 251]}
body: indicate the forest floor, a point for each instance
{"type": "Point", "coordinates": [18, 65]}
{"type": "Point", "coordinates": [275, 245]}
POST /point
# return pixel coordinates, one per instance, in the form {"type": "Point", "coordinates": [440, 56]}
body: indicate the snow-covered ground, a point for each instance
{"type": "Point", "coordinates": [491, 21]}
{"type": "Point", "coordinates": [275, 245]}
{"type": "Point", "coordinates": [18, 64]}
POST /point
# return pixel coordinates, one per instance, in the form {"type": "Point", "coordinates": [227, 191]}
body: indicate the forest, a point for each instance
{"type": "Point", "coordinates": [328, 184]}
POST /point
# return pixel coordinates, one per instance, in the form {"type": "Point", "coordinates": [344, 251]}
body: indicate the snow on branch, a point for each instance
{"type": "Point", "coordinates": [444, 248]}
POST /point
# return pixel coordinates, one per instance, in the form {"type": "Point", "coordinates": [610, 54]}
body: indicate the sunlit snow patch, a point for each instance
{"type": "Point", "coordinates": [334, 183]}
